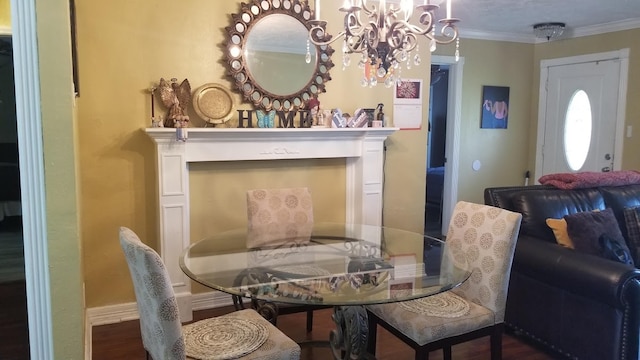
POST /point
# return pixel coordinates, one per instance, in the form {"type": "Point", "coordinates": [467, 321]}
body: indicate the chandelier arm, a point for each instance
{"type": "Point", "coordinates": [368, 10]}
{"type": "Point", "coordinates": [449, 32]}
{"type": "Point", "coordinates": [411, 28]}
{"type": "Point", "coordinates": [317, 35]}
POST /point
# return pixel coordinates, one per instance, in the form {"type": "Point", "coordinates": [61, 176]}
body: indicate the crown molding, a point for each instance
{"type": "Point", "coordinates": [569, 32]}
{"type": "Point", "coordinates": [496, 36]}
{"type": "Point", "coordinates": [606, 28]}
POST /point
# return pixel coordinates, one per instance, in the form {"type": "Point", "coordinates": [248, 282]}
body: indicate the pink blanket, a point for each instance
{"type": "Point", "coordinates": [590, 179]}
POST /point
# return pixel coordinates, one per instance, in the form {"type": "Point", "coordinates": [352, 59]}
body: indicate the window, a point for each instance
{"type": "Point", "coordinates": [577, 130]}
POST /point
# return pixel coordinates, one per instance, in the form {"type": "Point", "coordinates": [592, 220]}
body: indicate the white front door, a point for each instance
{"type": "Point", "coordinates": [581, 115]}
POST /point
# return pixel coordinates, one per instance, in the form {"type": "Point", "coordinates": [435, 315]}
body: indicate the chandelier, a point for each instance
{"type": "Point", "coordinates": [381, 32]}
{"type": "Point", "coordinates": [550, 30]}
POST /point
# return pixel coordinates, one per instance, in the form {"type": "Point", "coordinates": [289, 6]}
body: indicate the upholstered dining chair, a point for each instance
{"type": "Point", "coordinates": [279, 215]}
{"type": "Point", "coordinates": [238, 335]}
{"type": "Point", "coordinates": [484, 237]}
{"type": "Point", "coordinates": [276, 217]}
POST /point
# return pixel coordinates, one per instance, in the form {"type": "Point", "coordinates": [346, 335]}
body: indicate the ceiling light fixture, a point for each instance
{"type": "Point", "coordinates": [549, 30]}
{"type": "Point", "coordinates": [382, 33]}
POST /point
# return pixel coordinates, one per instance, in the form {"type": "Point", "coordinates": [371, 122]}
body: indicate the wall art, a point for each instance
{"type": "Point", "coordinates": [495, 107]}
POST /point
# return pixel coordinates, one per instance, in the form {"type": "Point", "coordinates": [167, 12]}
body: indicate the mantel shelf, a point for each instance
{"type": "Point", "coordinates": [199, 134]}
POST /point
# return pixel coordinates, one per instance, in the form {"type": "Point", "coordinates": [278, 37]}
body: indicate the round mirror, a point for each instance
{"type": "Point", "coordinates": [269, 54]}
{"type": "Point", "coordinates": [271, 58]}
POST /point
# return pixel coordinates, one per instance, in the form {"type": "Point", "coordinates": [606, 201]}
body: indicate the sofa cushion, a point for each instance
{"type": "Point", "coordinates": [537, 206]}
{"type": "Point", "coordinates": [598, 233]}
{"type": "Point", "coordinates": [632, 228]}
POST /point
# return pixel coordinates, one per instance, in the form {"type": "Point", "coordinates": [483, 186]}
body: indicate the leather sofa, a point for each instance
{"type": "Point", "coordinates": [581, 306]}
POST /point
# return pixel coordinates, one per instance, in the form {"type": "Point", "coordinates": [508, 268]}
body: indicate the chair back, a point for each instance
{"type": "Point", "coordinates": [279, 215]}
{"type": "Point", "coordinates": [486, 237]}
{"type": "Point", "coordinates": [159, 318]}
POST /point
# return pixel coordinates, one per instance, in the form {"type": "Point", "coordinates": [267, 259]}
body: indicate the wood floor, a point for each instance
{"type": "Point", "coordinates": [122, 341]}
{"type": "Point", "coordinates": [14, 333]}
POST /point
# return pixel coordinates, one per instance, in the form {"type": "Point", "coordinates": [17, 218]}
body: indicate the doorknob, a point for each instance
{"type": "Point", "coordinates": [606, 169]}
{"type": "Point", "coordinates": [607, 156]}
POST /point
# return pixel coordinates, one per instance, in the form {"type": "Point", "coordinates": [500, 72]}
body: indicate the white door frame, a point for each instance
{"type": "Point", "coordinates": [452, 147]}
{"type": "Point", "coordinates": [623, 56]}
{"type": "Point", "coordinates": [30, 147]}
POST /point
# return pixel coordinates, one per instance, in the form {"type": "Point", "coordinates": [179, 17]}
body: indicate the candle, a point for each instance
{"type": "Point", "coordinates": [317, 9]}
{"type": "Point", "coordinates": [153, 114]}
{"type": "Point", "coordinates": [448, 9]}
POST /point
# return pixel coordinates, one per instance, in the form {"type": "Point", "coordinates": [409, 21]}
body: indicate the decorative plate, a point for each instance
{"type": "Point", "coordinates": [213, 103]}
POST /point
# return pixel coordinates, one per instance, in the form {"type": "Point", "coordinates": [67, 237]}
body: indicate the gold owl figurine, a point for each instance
{"type": "Point", "coordinates": [175, 97]}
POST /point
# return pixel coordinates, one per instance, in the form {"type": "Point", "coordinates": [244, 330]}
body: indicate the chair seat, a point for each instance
{"type": "Point", "coordinates": [423, 328]}
{"type": "Point", "coordinates": [276, 346]}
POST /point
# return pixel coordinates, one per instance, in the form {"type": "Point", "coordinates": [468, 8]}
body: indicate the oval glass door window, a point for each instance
{"type": "Point", "coordinates": [577, 130]}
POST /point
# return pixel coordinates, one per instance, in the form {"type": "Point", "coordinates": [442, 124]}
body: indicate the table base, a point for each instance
{"type": "Point", "coordinates": [349, 340]}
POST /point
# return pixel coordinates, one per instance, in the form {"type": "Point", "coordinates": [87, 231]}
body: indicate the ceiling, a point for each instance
{"type": "Point", "coordinates": [512, 20]}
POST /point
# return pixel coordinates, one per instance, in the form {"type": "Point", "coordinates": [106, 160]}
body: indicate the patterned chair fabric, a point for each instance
{"type": "Point", "coordinates": [484, 237]}
{"type": "Point", "coordinates": [279, 215]}
{"type": "Point", "coordinates": [162, 334]}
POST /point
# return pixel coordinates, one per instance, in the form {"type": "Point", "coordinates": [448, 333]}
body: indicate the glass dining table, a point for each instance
{"type": "Point", "coordinates": [346, 266]}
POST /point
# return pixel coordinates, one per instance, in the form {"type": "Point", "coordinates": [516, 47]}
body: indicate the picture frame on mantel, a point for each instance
{"type": "Point", "coordinates": [495, 107]}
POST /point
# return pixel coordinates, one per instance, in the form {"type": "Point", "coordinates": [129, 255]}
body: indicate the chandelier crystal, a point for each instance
{"type": "Point", "coordinates": [549, 31]}
{"type": "Point", "coordinates": [381, 32]}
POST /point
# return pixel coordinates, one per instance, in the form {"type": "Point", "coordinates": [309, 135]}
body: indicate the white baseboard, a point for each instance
{"type": "Point", "coordinates": [113, 314]}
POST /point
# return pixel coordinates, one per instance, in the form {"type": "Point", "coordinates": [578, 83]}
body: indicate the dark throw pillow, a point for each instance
{"type": "Point", "coordinates": [632, 223]}
{"type": "Point", "coordinates": [586, 228]}
{"type": "Point", "coordinates": [612, 250]}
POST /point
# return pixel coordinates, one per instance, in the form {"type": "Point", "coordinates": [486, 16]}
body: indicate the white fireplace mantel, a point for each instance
{"type": "Point", "coordinates": [363, 149]}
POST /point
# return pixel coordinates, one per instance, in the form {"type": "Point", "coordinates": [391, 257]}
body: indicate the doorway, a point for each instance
{"type": "Point", "coordinates": [451, 138]}
{"type": "Point", "coordinates": [14, 342]}
{"type": "Point", "coordinates": [581, 113]}
{"type": "Point", "coordinates": [437, 132]}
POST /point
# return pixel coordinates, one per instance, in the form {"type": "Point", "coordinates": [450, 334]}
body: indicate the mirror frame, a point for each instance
{"type": "Point", "coordinates": [242, 24]}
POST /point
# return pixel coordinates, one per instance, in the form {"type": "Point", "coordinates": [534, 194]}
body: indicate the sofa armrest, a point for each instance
{"type": "Point", "coordinates": [582, 274]}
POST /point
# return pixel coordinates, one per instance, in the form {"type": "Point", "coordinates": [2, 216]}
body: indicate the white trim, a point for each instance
{"type": "Point", "coordinates": [27, 86]}
{"type": "Point", "coordinates": [497, 36]}
{"type": "Point", "coordinates": [623, 56]}
{"type": "Point", "coordinates": [570, 33]}
{"type": "Point", "coordinates": [452, 150]}
{"type": "Point", "coordinates": [606, 28]}
{"type": "Point", "coordinates": [113, 314]}
{"type": "Point", "coordinates": [5, 30]}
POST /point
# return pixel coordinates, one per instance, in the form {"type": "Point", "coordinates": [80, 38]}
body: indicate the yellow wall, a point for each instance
{"type": "Point", "coordinates": [5, 16]}
{"type": "Point", "coordinates": [58, 130]}
{"type": "Point", "coordinates": [123, 48]}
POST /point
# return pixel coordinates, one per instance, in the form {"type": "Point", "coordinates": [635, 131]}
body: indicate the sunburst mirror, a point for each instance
{"type": "Point", "coordinates": [270, 57]}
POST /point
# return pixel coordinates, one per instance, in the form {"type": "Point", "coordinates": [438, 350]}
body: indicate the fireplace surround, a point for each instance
{"type": "Point", "coordinates": [362, 148]}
